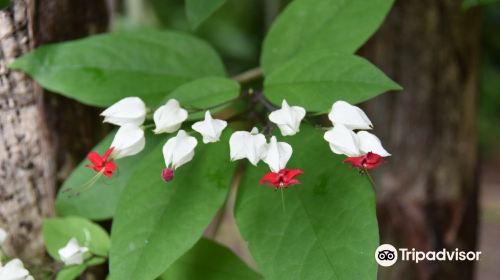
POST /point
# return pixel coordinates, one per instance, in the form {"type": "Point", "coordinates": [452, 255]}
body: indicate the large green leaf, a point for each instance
{"type": "Point", "coordinates": [206, 92]}
{"type": "Point", "coordinates": [328, 229]}
{"type": "Point", "coordinates": [102, 69]}
{"type": "Point", "coordinates": [58, 231]}
{"type": "Point", "coordinates": [198, 11]}
{"type": "Point", "coordinates": [309, 25]}
{"type": "Point", "coordinates": [99, 202]}
{"type": "Point", "coordinates": [317, 79]}
{"type": "Point", "coordinates": [157, 222]}
{"type": "Point", "coordinates": [209, 261]}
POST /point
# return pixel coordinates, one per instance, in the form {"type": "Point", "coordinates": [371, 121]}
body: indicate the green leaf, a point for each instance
{"type": "Point", "coordinates": [4, 4]}
{"type": "Point", "coordinates": [328, 229]}
{"type": "Point", "coordinates": [99, 202]}
{"type": "Point", "coordinates": [205, 93]}
{"type": "Point", "coordinates": [208, 260]}
{"type": "Point", "coordinates": [70, 272]}
{"type": "Point", "coordinates": [157, 222]}
{"type": "Point", "coordinates": [198, 11]}
{"type": "Point", "coordinates": [311, 25]}
{"type": "Point", "coordinates": [315, 80]}
{"type": "Point", "coordinates": [102, 69]}
{"type": "Point", "coordinates": [58, 231]}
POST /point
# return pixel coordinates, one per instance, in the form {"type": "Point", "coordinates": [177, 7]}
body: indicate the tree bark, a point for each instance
{"type": "Point", "coordinates": [26, 157]}
{"type": "Point", "coordinates": [42, 136]}
{"type": "Point", "coordinates": [75, 128]}
{"type": "Point", "coordinates": [428, 193]}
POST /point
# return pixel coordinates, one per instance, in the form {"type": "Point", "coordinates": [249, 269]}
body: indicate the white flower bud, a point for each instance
{"type": "Point", "coordinates": [129, 110]}
{"type": "Point", "coordinates": [169, 117]}
{"type": "Point", "coordinates": [288, 118]}
{"type": "Point", "coordinates": [209, 128]}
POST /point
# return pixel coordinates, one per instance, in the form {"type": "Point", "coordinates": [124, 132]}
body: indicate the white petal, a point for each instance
{"type": "Point", "coordinates": [288, 118]}
{"type": "Point", "coordinates": [248, 145]}
{"type": "Point", "coordinates": [277, 154]}
{"type": "Point", "coordinates": [13, 270]}
{"type": "Point", "coordinates": [256, 145]}
{"type": "Point", "coordinates": [209, 128]}
{"type": "Point", "coordinates": [169, 117]}
{"type": "Point", "coordinates": [348, 115]}
{"type": "Point", "coordinates": [72, 253]}
{"type": "Point", "coordinates": [370, 143]}
{"type": "Point", "coordinates": [179, 149]}
{"type": "Point", "coordinates": [129, 110]}
{"type": "Point", "coordinates": [237, 145]}
{"type": "Point", "coordinates": [129, 140]}
{"type": "Point", "coordinates": [343, 141]}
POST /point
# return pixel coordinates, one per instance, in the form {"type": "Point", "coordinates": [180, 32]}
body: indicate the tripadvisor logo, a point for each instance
{"type": "Point", "coordinates": [387, 255]}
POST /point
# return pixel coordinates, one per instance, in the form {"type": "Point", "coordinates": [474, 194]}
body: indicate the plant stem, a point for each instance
{"type": "Point", "coordinates": [372, 182]}
{"type": "Point", "coordinates": [248, 75]}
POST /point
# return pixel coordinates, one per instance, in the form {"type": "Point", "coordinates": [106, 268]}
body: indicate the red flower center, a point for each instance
{"type": "Point", "coordinates": [101, 163]}
{"type": "Point", "coordinates": [368, 161]}
{"type": "Point", "coordinates": [281, 179]}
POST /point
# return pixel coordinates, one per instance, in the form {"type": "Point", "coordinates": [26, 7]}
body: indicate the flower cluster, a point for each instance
{"type": "Point", "coordinates": [363, 149]}
{"type": "Point", "coordinates": [348, 136]}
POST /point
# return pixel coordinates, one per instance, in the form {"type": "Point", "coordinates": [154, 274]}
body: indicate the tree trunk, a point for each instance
{"type": "Point", "coordinates": [428, 193]}
{"type": "Point", "coordinates": [75, 128]}
{"type": "Point", "coordinates": [26, 157]}
{"type": "Point", "coordinates": [42, 136]}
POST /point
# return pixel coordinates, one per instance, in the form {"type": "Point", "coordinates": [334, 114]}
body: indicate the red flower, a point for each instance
{"type": "Point", "coordinates": [282, 179]}
{"type": "Point", "coordinates": [102, 164]}
{"type": "Point", "coordinates": [368, 161]}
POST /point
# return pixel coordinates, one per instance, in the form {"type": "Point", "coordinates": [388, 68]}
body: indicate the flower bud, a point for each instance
{"type": "Point", "coordinates": [179, 150]}
{"type": "Point", "coordinates": [72, 253]}
{"type": "Point", "coordinates": [288, 118]}
{"type": "Point", "coordinates": [129, 110]}
{"type": "Point", "coordinates": [348, 115]}
{"type": "Point", "coordinates": [169, 117]}
{"type": "Point", "coordinates": [129, 140]}
{"type": "Point", "coordinates": [209, 128]}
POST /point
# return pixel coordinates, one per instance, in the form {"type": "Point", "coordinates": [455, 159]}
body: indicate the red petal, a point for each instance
{"type": "Point", "coordinates": [293, 182]}
{"type": "Point", "coordinates": [110, 166]}
{"type": "Point", "coordinates": [107, 153]}
{"type": "Point", "coordinates": [95, 158]}
{"type": "Point", "coordinates": [355, 161]}
{"type": "Point", "coordinates": [270, 178]}
{"type": "Point", "coordinates": [290, 174]}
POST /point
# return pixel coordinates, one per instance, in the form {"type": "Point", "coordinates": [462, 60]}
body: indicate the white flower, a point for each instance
{"type": "Point", "coordinates": [179, 149]}
{"type": "Point", "coordinates": [129, 110]}
{"type": "Point", "coordinates": [343, 141]}
{"type": "Point", "coordinates": [348, 115]}
{"type": "Point", "coordinates": [3, 236]}
{"type": "Point", "coordinates": [288, 118]}
{"type": "Point", "coordinates": [129, 140]}
{"type": "Point", "coordinates": [209, 128]}
{"type": "Point", "coordinates": [250, 145]}
{"type": "Point", "coordinates": [14, 270]}
{"type": "Point", "coordinates": [370, 143]}
{"type": "Point", "coordinates": [169, 117]}
{"type": "Point", "coordinates": [72, 253]}
{"type": "Point", "coordinates": [277, 154]}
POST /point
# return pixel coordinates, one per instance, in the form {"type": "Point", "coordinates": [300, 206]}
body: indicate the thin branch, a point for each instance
{"type": "Point", "coordinates": [248, 75]}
